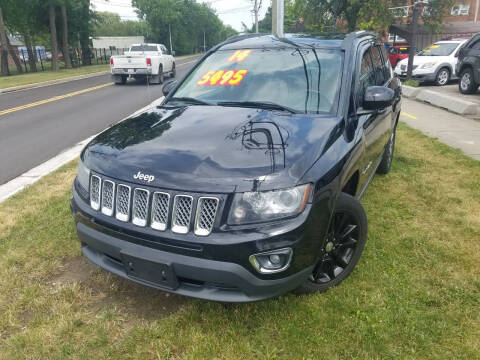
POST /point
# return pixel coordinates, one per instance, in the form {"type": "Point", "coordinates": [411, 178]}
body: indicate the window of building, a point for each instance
{"type": "Point", "coordinates": [461, 9]}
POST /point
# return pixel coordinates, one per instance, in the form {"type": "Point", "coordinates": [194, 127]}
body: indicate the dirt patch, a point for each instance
{"type": "Point", "coordinates": [74, 270]}
{"type": "Point", "coordinates": [141, 302]}
{"type": "Point", "coordinates": [113, 292]}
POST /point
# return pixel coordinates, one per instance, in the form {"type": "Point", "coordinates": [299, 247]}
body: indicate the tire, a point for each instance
{"type": "Point", "coordinates": [443, 77]}
{"type": "Point", "coordinates": [121, 80]}
{"type": "Point", "coordinates": [343, 247]}
{"type": "Point", "coordinates": [387, 157]}
{"type": "Point", "coordinates": [467, 84]}
{"type": "Point", "coordinates": [174, 71]}
{"type": "Point", "coordinates": [157, 79]}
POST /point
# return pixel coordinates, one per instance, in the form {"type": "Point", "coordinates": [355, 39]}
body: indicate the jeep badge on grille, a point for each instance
{"type": "Point", "coordinates": [140, 176]}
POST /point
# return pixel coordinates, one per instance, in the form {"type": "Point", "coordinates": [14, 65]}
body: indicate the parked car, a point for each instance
{"type": "Point", "coordinates": [397, 53]}
{"type": "Point", "coordinates": [151, 61]}
{"type": "Point", "coordinates": [468, 66]}
{"type": "Point", "coordinates": [435, 64]}
{"type": "Point", "coordinates": [245, 183]}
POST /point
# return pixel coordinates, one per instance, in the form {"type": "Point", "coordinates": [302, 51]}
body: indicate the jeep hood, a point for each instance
{"type": "Point", "coordinates": [212, 148]}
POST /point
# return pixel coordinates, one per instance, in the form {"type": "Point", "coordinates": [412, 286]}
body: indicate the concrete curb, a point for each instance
{"type": "Point", "coordinates": [443, 101]}
{"type": "Point", "coordinates": [15, 185]}
{"type": "Point", "coordinates": [52, 82]}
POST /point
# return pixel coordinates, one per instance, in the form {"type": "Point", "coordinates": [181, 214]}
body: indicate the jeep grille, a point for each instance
{"type": "Point", "coordinates": [154, 208]}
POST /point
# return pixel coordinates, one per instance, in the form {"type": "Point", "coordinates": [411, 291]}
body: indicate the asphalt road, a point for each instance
{"type": "Point", "coordinates": [37, 124]}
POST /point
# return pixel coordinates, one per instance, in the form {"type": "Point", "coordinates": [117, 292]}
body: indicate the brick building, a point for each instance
{"type": "Point", "coordinates": [462, 20]}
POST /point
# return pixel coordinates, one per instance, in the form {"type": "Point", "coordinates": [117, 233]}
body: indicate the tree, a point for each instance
{"type": "Point", "coordinates": [188, 21]}
{"type": "Point", "coordinates": [53, 36]}
{"type": "Point", "coordinates": [110, 24]}
{"type": "Point", "coordinates": [4, 46]}
{"type": "Point", "coordinates": [66, 47]}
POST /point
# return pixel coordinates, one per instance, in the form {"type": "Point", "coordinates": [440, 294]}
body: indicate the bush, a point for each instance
{"type": "Point", "coordinates": [412, 83]}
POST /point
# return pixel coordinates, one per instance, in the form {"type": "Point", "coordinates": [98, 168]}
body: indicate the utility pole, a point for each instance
{"type": "Point", "coordinates": [277, 17]}
{"type": "Point", "coordinates": [335, 14]}
{"type": "Point", "coordinates": [256, 8]}
{"type": "Point", "coordinates": [170, 35]}
{"type": "Point", "coordinates": [413, 34]}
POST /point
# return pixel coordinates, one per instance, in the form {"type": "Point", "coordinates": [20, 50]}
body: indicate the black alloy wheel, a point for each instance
{"type": "Point", "coordinates": [342, 248]}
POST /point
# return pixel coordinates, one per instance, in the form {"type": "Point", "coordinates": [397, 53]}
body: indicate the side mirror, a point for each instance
{"type": "Point", "coordinates": [169, 86]}
{"type": "Point", "coordinates": [378, 97]}
{"type": "Point", "coordinates": [173, 52]}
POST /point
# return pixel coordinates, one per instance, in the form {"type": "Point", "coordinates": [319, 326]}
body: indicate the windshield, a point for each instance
{"type": "Point", "coordinates": [439, 49]}
{"type": "Point", "coordinates": [143, 48]}
{"type": "Point", "coordinates": [304, 80]}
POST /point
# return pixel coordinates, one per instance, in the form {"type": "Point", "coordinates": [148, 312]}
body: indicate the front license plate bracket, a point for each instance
{"type": "Point", "coordinates": [152, 272]}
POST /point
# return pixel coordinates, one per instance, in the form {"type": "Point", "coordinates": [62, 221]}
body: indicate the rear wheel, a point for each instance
{"type": "Point", "coordinates": [174, 71]}
{"type": "Point", "coordinates": [157, 79]}
{"type": "Point", "coordinates": [343, 247]}
{"type": "Point", "coordinates": [443, 77]}
{"type": "Point", "coordinates": [121, 79]}
{"type": "Point", "coordinates": [467, 84]}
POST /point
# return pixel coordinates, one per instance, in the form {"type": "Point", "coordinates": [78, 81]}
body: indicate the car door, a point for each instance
{"type": "Point", "coordinates": [167, 58]}
{"type": "Point", "coordinates": [375, 125]}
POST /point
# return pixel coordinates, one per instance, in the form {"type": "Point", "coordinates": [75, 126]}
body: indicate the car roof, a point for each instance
{"type": "Point", "coordinates": [255, 41]}
{"type": "Point", "coordinates": [458, 41]}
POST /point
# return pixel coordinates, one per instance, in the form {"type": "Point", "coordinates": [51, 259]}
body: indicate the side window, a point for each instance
{"type": "Point", "coordinates": [165, 50]}
{"type": "Point", "coordinates": [393, 51]}
{"type": "Point", "coordinates": [387, 68]}
{"type": "Point", "coordinates": [378, 66]}
{"type": "Point", "coordinates": [476, 45]}
{"type": "Point", "coordinates": [367, 75]}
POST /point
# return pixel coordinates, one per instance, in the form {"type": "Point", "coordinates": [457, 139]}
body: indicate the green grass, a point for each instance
{"type": "Point", "coordinates": [412, 83]}
{"type": "Point", "coordinates": [31, 78]}
{"type": "Point", "coordinates": [415, 293]}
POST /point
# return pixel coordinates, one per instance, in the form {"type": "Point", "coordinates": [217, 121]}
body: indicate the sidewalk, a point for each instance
{"type": "Point", "coordinates": [451, 129]}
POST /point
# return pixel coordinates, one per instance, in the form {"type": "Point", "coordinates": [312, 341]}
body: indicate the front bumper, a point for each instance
{"type": "Point", "coordinates": [214, 271]}
{"type": "Point", "coordinates": [420, 75]}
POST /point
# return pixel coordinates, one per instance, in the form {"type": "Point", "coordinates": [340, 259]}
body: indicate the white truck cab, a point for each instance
{"type": "Point", "coordinates": [152, 61]}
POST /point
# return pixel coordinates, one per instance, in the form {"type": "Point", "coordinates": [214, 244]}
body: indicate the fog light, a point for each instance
{"type": "Point", "coordinates": [272, 261]}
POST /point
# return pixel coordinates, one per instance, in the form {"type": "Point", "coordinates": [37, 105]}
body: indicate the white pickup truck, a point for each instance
{"type": "Point", "coordinates": [152, 61]}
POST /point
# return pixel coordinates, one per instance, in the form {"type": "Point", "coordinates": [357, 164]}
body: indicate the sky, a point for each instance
{"type": "Point", "coordinates": [231, 12]}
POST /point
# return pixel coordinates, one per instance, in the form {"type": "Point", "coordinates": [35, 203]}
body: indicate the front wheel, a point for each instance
{"type": "Point", "coordinates": [443, 77]}
{"type": "Point", "coordinates": [386, 162]}
{"type": "Point", "coordinates": [467, 84]}
{"type": "Point", "coordinates": [174, 71]}
{"type": "Point", "coordinates": [342, 249]}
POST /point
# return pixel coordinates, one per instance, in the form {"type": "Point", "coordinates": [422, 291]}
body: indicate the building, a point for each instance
{"type": "Point", "coordinates": [462, 20]}
{"type": "Point", "coordinates": [116, 42]}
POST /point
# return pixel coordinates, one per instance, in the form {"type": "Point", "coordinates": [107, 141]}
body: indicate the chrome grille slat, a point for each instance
{"type": "Point", "coordinates": [206, 214]}
{"type": "Point", "coordinates": [182, 213]}
{"type": "Point", "coordinates": [134, 205]}
{"type": "Point", "coordinates": [160, 208]}
{"type": "Point", "coordinates": [123, 202]}
{"type": "Point", "coordinates": [95, 189]}
{"type": "Point", "coordinates": [108, 196]}
{"type": "Point", "coordinates": [140, 206]}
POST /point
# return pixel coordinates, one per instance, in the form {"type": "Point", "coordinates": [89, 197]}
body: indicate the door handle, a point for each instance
{"type": "Point", "coordinates": [381, 111]}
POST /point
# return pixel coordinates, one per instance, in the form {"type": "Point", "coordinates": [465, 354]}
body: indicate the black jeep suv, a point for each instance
{"type": "Point", "coordinates": [245, 182]}
{"type": "Point", "coordinates": [468, 66]}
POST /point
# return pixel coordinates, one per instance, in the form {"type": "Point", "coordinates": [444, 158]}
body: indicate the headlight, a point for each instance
{"type": "Point", "coordinates": [83, 176]}
{"type": "Point", "coordinates": [429, 65]}
{"type": "Point", "coordinates": [251, 207]}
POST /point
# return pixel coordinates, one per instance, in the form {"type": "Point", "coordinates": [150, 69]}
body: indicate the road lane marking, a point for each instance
{"type": "Point", "coordinates": [186, 63]}
{"type": "Point", "coordinates": [410, 116]}
{"type": "Point", "coordinates": [60, 97]}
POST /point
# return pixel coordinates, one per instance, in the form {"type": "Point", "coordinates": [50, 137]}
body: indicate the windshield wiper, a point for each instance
{"type": "Point", "coordinates": [189, 100]}
{"type": "Point", "coordinates": [258, 104]}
